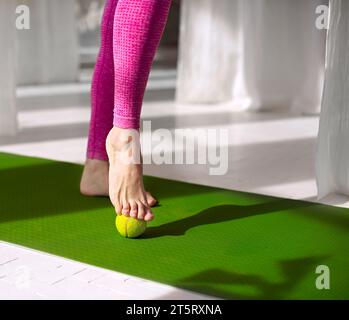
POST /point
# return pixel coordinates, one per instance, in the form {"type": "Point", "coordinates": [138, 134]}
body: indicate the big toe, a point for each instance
{"type": "Point", "coordinates": [126, 209]}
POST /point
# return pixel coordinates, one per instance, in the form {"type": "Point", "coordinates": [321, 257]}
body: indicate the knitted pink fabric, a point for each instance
{"type": "Point", "coordinates": [130, 34]}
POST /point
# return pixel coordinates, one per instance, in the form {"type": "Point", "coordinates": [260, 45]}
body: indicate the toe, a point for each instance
{"type": "Point", "coordinates": [134, 210]}
{"type": "Point", "coordinates": [141, 211]}
{"type": "Point", "coordinates": [126, 209]}
{"type": "Point", "coordinates": [118, 208]}
{"type": "Point", "coordinates": [148, 215]}
{"type": "Point", "coordinates": [150, 199]}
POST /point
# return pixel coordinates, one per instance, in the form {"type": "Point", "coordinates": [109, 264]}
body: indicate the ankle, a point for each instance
{"type": "Point", "coordinates": [124, 143]}
{"type": "Point", "coordinates": [119, 138]}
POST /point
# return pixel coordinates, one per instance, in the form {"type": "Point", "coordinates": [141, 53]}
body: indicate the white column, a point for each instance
{"type": "Point", "coordinates": [8, 117]}
{"type": "Point", "coordinates": [48, 52]}
{"type": "Point", "coordinates": [254, 53]}
{"type": "Point", "coordinates": [207, 51]}
{"type": "Point", "coordinates": [332, 164]}
{"type": "Point", "coordinates": [283, 55]}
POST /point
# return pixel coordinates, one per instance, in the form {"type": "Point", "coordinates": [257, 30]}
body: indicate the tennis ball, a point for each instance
{"type": "Point", "coordinates": [130, 227]}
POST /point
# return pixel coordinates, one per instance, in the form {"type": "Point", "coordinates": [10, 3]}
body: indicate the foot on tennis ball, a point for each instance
{"type": "Point", "coordinates": [130, 227]}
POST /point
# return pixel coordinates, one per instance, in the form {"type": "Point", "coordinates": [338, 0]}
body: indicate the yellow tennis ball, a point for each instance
{"type": "Point", "coordinates": [130, 227]}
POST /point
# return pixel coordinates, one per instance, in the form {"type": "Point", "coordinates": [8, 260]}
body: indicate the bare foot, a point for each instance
{"type": "Point", "coordinates": [95, 180]}
{"type": "Point", "coordinates": [126, 189]}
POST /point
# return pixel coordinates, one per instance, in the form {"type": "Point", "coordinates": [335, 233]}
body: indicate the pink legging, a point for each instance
{"type": "Point", "coordinates": [130, 34]}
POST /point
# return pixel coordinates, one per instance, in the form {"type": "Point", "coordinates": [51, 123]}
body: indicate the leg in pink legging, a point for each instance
{"type": "Point", "coordinates": [138, 27]}
{"type": "Point", "coordinates": [102, 89]}
{"type": "Point", "coordinates": [131, 31]}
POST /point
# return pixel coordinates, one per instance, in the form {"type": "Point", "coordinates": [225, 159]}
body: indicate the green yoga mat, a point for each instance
{"type": "Point", "coordinates": [223, 243]}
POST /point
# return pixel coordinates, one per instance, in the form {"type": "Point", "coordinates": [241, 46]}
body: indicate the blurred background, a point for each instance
{"type": "Point", "coordinates": [89, 14]}
{"type": "Point", "coordinates": [254, 68]}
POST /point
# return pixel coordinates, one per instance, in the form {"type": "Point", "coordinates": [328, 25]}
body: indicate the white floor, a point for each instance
{"type": "Point", "coordinates": [269, 153]}
{"type": "Point", "coordinates": [29, 274]}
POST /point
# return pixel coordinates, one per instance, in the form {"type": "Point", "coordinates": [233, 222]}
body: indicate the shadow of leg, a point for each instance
{"type": "Point", "coordinates": [220, 214]}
